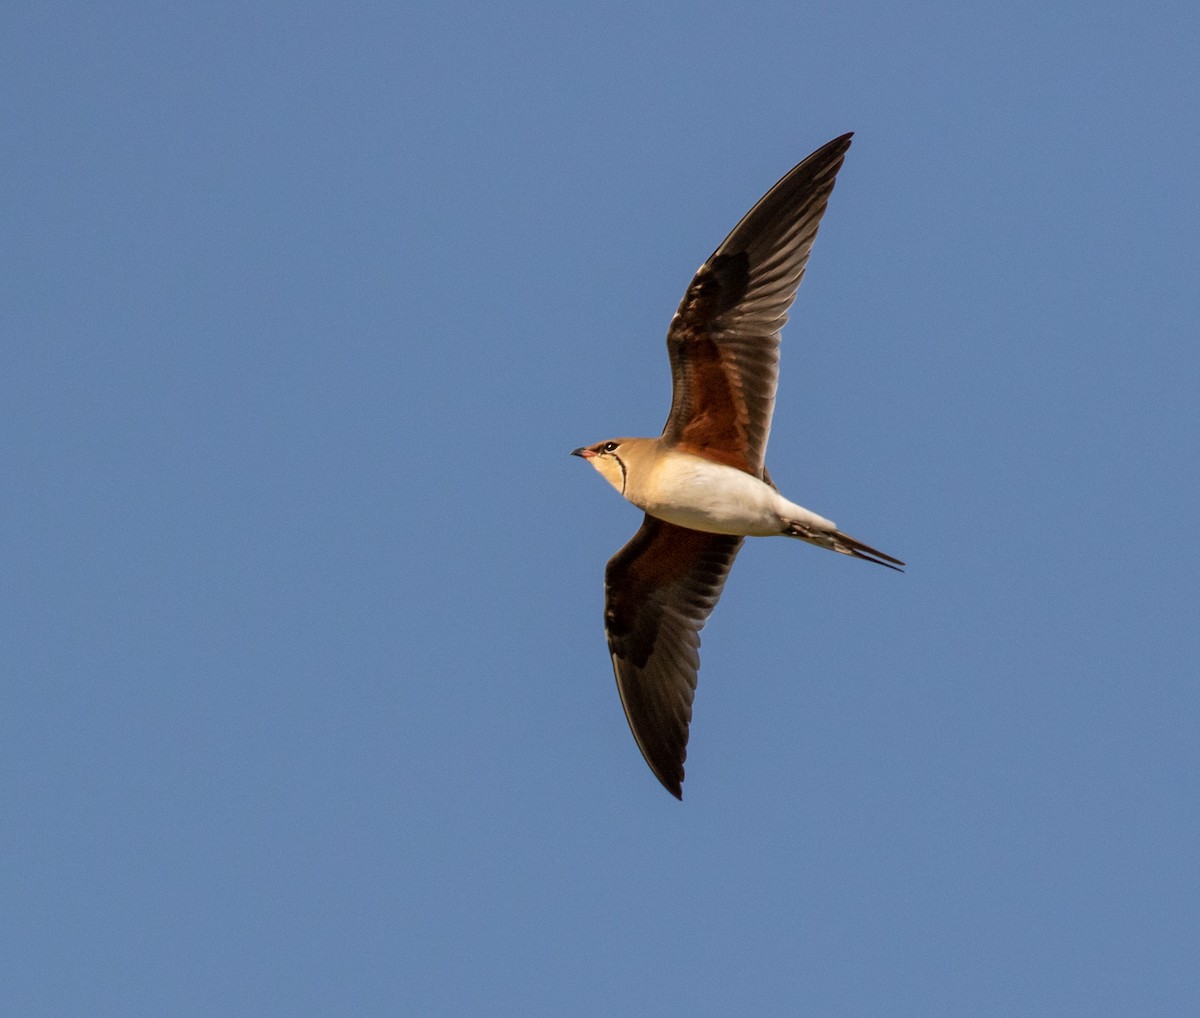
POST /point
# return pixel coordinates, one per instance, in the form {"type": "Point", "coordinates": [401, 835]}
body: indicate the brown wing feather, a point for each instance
{"type": "Point", "coordinates": [724, 339]}
{"type": "Point", "coordinates": [659, 591]}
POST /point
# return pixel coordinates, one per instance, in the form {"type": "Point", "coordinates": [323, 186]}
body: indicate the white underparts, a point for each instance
{"type": "Point", "coordinates": [694, 492]}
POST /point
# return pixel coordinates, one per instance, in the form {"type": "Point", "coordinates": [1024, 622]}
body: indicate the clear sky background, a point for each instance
{"type": "Point", "coordinates": [306, 705]}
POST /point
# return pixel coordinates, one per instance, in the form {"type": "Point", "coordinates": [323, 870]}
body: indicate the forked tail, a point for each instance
{"type": "Point", "coordinates": [844, 544]}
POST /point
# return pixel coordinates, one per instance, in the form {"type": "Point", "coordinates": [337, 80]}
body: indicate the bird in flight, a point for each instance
{"type": "Point", "coordinates": [703, 483]}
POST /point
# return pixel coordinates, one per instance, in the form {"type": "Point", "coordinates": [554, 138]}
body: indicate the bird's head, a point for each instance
{"type": "Point", "coordinates": [606, 458]}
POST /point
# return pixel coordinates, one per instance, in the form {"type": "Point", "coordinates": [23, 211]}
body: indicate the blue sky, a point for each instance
{"type": "Point", "coordinates": [306, 702]}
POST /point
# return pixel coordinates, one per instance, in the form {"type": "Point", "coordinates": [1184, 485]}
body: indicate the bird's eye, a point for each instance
{"type": "Point", "coordinates": [610, 447]}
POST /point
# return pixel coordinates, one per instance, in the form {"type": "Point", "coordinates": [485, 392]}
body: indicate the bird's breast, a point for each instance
{"type": "Point", "coordinates": [693, 492]}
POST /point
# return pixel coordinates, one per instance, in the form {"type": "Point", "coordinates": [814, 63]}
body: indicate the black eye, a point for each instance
{"type": "Point", "coordinates": [610, 447]}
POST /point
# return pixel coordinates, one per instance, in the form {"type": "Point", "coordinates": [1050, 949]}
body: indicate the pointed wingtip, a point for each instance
{"type": "Point", "coordinates": [839, 144]}
{"type": "Point", "coordinates": [673, 783]}
{"type": "Point", "coordinates": [669, 774]}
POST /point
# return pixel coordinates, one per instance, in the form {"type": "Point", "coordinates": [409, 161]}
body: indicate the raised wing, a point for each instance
{"type": "Point", "coordinates": [724, 339]}
{"type": "Point", "coordinates": [659, 591]}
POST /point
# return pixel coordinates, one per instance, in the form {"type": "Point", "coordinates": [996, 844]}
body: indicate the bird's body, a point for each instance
{"type": "Point", "coordinates": [691, 491]}
{"type": "Point", "coordinates": [703, 483]}
{"type": "Point", "coordinates": [695, 492]}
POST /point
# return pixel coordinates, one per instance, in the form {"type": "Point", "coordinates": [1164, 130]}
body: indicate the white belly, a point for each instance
{"type": "Point", "coordinates": [697, 493]}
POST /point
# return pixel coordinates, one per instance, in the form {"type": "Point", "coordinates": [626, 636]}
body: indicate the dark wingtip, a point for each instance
{"type": "Point", "coordinates": [668, 771]}
{"type": "Point", "coordinates": [839, 144]}
{"type": "Point", "coordinates": [671, 782]}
